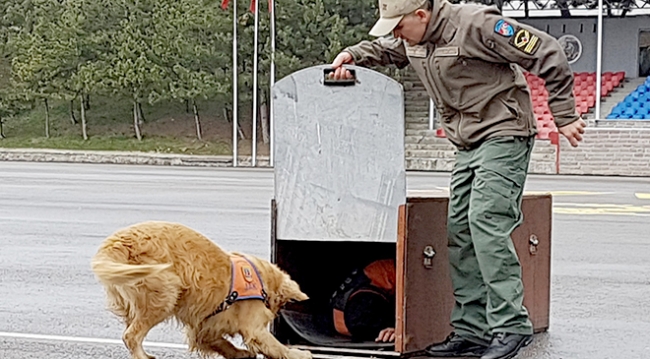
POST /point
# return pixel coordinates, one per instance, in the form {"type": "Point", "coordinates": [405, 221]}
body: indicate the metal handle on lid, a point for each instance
{"type": "Point", "coordinates": [329, 81]}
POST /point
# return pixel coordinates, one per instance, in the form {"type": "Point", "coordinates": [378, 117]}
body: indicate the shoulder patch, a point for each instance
{"type": "Point", "coordinates": [503, 28]}
{"type": "Point", "coordinates": [524, 41]}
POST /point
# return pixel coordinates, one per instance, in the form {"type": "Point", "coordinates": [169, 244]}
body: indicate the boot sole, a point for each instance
{"type": "Point", "coordinates": [523, 344]}
{"type": "Point", "coordinates": [465, 355]}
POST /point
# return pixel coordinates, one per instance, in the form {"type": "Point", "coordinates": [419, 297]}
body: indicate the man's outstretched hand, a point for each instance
{"type": "Point", "coordinates": [340, 72]}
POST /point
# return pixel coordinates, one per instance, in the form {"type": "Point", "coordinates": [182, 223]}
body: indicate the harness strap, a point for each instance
{"type": "Point", "coordinates": [246, 283]}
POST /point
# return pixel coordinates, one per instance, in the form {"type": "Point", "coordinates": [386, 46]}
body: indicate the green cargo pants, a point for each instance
{"type": "Point", "coordinates": [484, 208]}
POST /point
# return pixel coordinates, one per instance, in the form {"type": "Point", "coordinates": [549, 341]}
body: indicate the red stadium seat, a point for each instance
{"type": "Point", "coordinates": [591, 100]}
{"type": "Point", "coordinates": [546, 118]}
{"type": "Point", "coordinates": [603, 90]}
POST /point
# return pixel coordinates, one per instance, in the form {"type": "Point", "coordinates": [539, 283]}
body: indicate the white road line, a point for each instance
{"type": "Point", "coordinates": [60, 338]}
{"type": "Point", "coordinates": [642, 195]}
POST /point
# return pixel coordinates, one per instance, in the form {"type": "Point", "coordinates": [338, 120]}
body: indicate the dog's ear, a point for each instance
{"type": "Point", "coordinates": [290, 291]}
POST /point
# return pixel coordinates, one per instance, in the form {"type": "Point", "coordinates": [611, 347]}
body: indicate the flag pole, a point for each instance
{"type": "Point", "coordinates": [599, 60]}
{"type": "Point", "coordinates": [235, 121]}
{"type": "Point", "coordinates": [257, 18]}
{"type": "Point", "coordinates": [272, 81]}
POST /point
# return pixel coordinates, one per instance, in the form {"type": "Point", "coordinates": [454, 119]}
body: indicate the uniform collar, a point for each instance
{"type": "Point", "coordinates": [438, 22]}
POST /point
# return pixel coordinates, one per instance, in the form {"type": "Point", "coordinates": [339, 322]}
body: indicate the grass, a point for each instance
{"type": "Point", "coordinates": [168, 128]}
{"type": "Point", "coordinates": [118, 143]}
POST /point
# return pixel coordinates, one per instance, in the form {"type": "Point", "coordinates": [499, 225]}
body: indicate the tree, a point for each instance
{"type": "Point", "coordinates": [192, 44]}
{"type": "Point", "coordinates": [39, 55]}
{"type": "Point", "coordinates": [12, 102]}
{"type": "Point", "coordinates": [128, 68]}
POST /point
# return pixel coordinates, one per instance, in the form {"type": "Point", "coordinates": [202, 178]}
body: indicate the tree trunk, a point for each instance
{"type": "Point", "coordinates": [141, 114]}
{"type": "Point", "coordinates": [47, 119]}
{"type": "Point", "coordinates": [72, 118]}
{"type": "Point", "coordinates": [197, 122]}
{"type": "Point", "coordinates": [82, 107]}
{"type": "Point", "coordinates": [264, 119]}
{"type": "Point", "coordinates": [239, 130]}
{"type": "Point", "coordinates": [2, 131]}
{"type": "Point", "coordinates": [187, 106]}
{"type": "Point", "coordinates": [136, 121]}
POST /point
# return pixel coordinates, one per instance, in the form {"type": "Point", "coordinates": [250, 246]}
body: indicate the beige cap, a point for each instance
{"type": "Point", "coordinates": [391, 13]}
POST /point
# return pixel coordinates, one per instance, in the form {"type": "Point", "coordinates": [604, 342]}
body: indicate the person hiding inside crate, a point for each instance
{"type": "Point", "coordinates": [364, 304]}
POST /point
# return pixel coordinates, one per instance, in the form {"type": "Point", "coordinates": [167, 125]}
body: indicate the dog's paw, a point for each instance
{"type": "Point", "coordinates": [243, 354]}
{"type": "Point", "coordinates": [299, 354]}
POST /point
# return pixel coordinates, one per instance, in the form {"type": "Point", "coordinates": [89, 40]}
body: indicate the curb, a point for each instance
{"type": "Point", "coordinates": [131, 158]}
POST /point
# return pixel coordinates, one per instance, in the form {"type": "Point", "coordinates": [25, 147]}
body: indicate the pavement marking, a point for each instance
{"type": "Point", "coordinates": [598, 208]}
{"type": "Point", "coordinates": [568, 193]}
{"type": "Point", "coordinates": [60, 338]}
{"type": "Point", "coordinates": [553, 193]}
{"type": "Point", "coordinates": [416, 192]}
{"type": "Point", "coordinates": [642, 195]}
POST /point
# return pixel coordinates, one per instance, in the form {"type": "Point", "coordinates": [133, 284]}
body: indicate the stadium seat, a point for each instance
{"type": "Point", "coordinates": [620, 75]}
{"type": "Point", "coordinates": [628, 113]}
{"type": "Point", "coordinates": [543, 133]}
{"type": "Point", "coordinates": [583, 76]}
{"type": "Point", "coordinates": [591, 88]}
{"type": "Point", "coordinates": [591, 100]}
{"type": "Point", "coordinates": [583, 108]}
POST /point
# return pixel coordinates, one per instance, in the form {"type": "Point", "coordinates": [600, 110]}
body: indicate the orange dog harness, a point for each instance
{"type": "Point", "coordinates": [246, 283]}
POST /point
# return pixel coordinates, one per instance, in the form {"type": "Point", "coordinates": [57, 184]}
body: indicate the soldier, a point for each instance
{"type": "Point", "coordinates": [470, 59]}
{"type": "Point", "coordinates": [363, 307]}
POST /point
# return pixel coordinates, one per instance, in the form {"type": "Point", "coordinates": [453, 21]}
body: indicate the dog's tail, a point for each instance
{"type": "Point", "coordinates": [110, 271]}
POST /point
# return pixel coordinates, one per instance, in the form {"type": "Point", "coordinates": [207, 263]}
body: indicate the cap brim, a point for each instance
{"type": "Point", "coordinates": [384, 26]}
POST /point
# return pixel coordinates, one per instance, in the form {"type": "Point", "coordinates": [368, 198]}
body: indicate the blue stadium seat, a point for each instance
{"type": "Point", "coordinates": [628, 113]}
{"type": "Point", "coordinates": [642, 111]}
{"type": "Point", "coordinates": [635, 105]}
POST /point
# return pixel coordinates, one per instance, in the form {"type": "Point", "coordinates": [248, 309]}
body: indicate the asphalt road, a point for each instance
{"type": "Point", "coordinates": [53, 217]}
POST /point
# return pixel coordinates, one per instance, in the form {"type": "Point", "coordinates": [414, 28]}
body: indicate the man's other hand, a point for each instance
{"type": "Point", "coordinates": [573, 131]}
{"type": "Point", "coordinates": [386, 335]}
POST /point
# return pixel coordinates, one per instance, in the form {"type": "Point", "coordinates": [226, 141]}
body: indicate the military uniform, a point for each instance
{"type": "Point", "coordinates": [470, 61]}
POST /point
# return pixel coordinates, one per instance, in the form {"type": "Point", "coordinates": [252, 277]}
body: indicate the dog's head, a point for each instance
{"type": "Point", "coordinates": [287, 291]}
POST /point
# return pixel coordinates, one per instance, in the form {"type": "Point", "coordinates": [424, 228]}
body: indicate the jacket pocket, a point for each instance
{"type": "Point", "coordinates": [500, 109]}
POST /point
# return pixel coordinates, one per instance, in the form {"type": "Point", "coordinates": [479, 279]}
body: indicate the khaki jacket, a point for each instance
{"type": "Point", "coordinates": [469, 61]}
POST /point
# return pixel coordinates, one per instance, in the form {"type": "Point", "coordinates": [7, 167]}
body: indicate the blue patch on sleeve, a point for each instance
{"type": "Point", "coordinates": [503, 28]}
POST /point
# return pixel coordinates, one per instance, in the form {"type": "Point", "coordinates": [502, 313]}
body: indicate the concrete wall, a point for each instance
{"type": "Point", "coordinates": [620, 40]}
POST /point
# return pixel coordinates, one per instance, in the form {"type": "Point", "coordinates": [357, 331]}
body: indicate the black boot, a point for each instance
{"type": "Point", "coordinates": [506, 345]}
{"type": "Point", "coordinates": [455, 346]}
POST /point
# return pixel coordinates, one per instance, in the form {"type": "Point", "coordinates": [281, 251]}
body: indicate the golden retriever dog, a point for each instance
{"type": "Point", "coordinates": [155, 271]}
